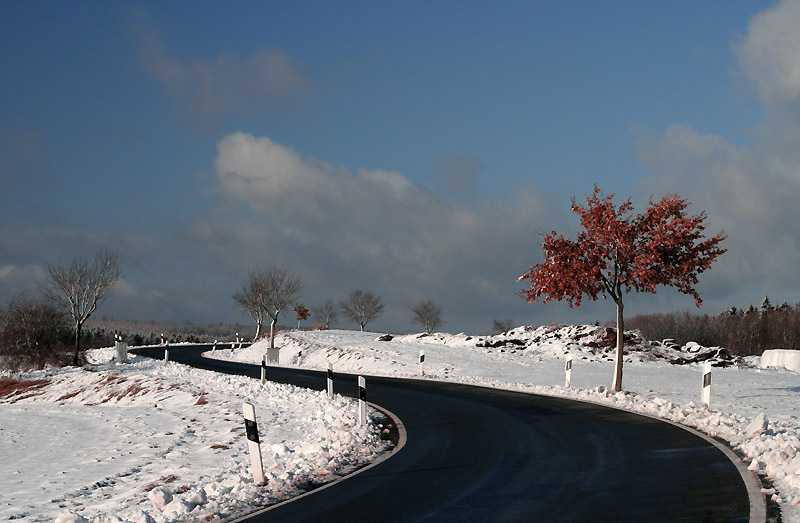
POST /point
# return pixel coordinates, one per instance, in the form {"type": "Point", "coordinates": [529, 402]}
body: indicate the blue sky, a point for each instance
{"type": "Point", "coordinates": [415, 150]}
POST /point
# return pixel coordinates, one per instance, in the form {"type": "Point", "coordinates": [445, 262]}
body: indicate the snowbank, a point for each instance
{"type": "Point", "coordinates": [150, 441]}
{"type": "Point", "coordinates": [787, 359]}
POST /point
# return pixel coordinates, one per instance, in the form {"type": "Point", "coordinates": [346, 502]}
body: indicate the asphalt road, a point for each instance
{"type": "Point", "coordinates": [476, 454]}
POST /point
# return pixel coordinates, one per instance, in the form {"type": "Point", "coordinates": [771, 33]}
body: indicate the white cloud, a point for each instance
{"type": "Point", "coordinates": [744, 191]}
{"type": "Point", "coordinates": [770, 53]}
{"type": "Point", "coordinates": [378, 229]}
{"type": "Point", "coordinates": [206, 89]}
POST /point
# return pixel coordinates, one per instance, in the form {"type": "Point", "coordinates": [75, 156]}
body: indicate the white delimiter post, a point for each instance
{"type": "Point", "coordinates": [166, 354]}
{"type": "Point", "coordinates": [422, 362]}
{"type": "Point", "coordinates": [706, 398]}
{"type": "Point", "coordinates": [330, 379]}
{"type": "Point", "coordinates": [362, 401]}
{"type": "Point", "coordinates": [253, 443]}
{"type": "Point", "coordinates": [568, 371]}
{"type": "Point", "coordinates": [264, 368]}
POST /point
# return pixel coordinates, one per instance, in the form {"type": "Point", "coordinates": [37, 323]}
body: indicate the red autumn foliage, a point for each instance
{"type": "Point", "coordinates": [302, 313]}
{"type": "Point", "coordinates": [618, 252]}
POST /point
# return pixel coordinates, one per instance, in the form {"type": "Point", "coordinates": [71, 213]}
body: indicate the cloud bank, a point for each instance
{"type": "Point", "coordinates": [770, 54]}
{"type": "Point", "coordinates": [751, 191]}
{"type": "Point", "coordinates": [377, 230]}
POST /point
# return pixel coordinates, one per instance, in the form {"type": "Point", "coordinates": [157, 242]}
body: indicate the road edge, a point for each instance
{"type": "Point", "coordinates": [401, 442]}
{"type": "Point", "coordinates": [753, 485]}
{"type": "Point", "coordinates": [758, 503]}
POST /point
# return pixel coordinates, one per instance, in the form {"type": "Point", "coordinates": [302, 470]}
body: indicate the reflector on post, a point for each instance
{"type": "Point", "coordinates": [362, 400]}
{"type": "Point", "coordinates": [253, 443]}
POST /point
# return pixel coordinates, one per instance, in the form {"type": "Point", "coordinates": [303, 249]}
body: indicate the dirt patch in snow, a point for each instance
{"type": "Point", "coordinates": [15, 390]}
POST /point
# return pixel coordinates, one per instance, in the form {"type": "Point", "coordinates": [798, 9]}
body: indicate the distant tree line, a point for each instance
{"type": "Point", "coordinates": [269, 291]}
{"type": "Point", "coordinates": [100, 332]}
{"type": "Point", "coordinates": [745, 332]}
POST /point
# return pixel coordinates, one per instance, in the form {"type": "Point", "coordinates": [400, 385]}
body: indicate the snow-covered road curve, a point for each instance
{"type": "Point", "coordinates": [482, 454]}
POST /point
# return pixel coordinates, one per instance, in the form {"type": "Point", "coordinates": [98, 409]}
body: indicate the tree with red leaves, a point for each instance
{"type": "Point", "coordinates": [618, 252]}
{"type": "Point", "coordinates": [302, 313]}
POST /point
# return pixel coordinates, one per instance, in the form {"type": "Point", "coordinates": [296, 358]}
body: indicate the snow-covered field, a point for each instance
{"type": "Point", "coordinates": [149, 441]}
{"type": "Point", "coordinates": [155, 442]}
{"type": "Point", "coordinates": [754, 409]}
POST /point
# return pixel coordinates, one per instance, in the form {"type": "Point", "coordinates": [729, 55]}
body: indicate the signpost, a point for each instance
{"type": "Point", "coordinates": [568, 371]}
{"type": "Point", "coordinates": [422, 362]}
{"type": "Point", "coordinates": [330, 379]}
{"type": "Point", "coordinates": [253, 443]}
{"type": "Point", "coordinates": [362, 400]}
{"type": "Point", "coordinates": [706, 397]}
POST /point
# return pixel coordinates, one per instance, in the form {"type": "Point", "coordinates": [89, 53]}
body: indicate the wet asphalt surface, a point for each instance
{"type": "Point", "coordinates": [476, 454]}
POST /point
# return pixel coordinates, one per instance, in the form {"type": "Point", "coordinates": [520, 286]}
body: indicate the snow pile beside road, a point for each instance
{"type": "Point", "coordinates": [756, 410]}
{"type": "Point", "coordinates": [161, 442]}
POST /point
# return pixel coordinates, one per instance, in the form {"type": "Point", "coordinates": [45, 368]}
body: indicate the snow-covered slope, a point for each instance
{"type": "Point", "coordinates": [754, 409]}
{"type": "Point", "coordinates": [150, 441]}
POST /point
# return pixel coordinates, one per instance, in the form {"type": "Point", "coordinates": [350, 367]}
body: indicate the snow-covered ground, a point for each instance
{"type": "Point", "coordinates": [155, 442]}
{"type": "Point", "coordinates": [149, 441]}
{"type": "Point", "coordinates": [754, 409]}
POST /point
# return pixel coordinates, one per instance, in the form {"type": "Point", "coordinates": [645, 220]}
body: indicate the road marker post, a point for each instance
{"type": "Point", "coordinates": [422, 362]}
{"type": "Point", "coordinates": [330, 379]}
{"type": "Point", "coordinates": [706, 396]}
{"type": "Point", "coordinates": [166, 354]}
{"type": "Point", "coordinates": [253, 443]}
{"type": "Point", "coordinates": [121, 349]}
{"type": "Point", "coordinates": [568, 371]}
{"type": "Point", "coordinates": [362, 400]}
{"type": "Point", "coordinates": [263, 369]}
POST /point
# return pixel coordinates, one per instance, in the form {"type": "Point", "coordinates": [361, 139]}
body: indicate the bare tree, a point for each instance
{"type": "Point", "coordinates": [251, 298]}
{"type": "Point", "coordinates": [79, 287]}
{"type": "Point", "coordinates": [325, 314]}
{"type": "Point", "coordinates": [361, 307]}
{"type": "Point", "coordinates": [427, 314]}
{"type": "Point", "coordinates": [267, 292]}
{"type": "Point", "coordinates": [504, 325]}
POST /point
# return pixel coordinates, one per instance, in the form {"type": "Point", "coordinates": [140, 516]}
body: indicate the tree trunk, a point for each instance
{"type": "Point", "coordinates": [620, 343]}
{"type": "Point", "coordinates": [78, 326]}
{"type": "Point", "coordinates": [258, 330]}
